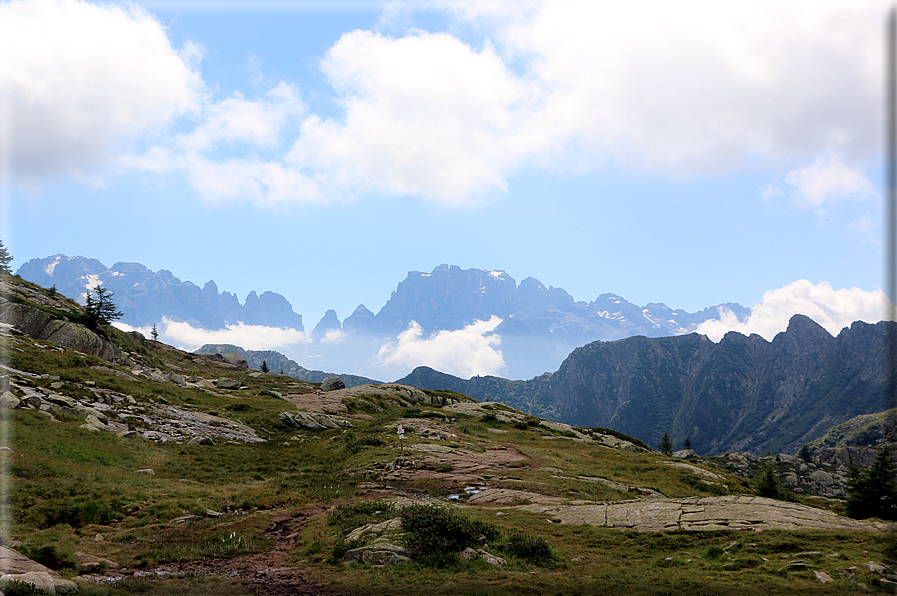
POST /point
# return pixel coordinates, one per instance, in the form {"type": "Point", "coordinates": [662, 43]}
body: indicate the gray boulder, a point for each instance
{"type": "Point", "coordinates": [272, 393]}
{"type": "Point", "coordinates": [9, 401]}
{"type": "Point", "coordinates": [332, 383]}
{"type": "Point", "coordinates": [223, 383]}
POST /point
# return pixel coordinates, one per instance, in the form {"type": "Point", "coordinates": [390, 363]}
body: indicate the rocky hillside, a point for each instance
{"type": "Point", "coordinates": [278, 363]}
{"type": "Point", "coordinates": [741, 394]}
{"type": "Point", "coordinates": [145, 469]}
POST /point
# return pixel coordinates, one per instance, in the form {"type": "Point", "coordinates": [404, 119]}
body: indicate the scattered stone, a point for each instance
{"type": "Point", "coordinates": [823, 577]}
{"type": "Point", "coordinates": [8, 401]}
{"type": "Point", "coordinates": [580, 559]}
{"type": "Point", "coordinates": [65, 586]}
{"type": "Point", "coordinates": [147, 471]}
{"type": "Point", "coordinates": [878, 568]}
{"type": "Point", "coordinates": [184, 519]}
{"type": "Point", "coordinates": [224, 383]}
{"type": "Point", "coordinates": [61, 400]}
{"type": "Point", "coordinates": [272, 393]}
{"type": "Point", "coordinates": [99, 538]}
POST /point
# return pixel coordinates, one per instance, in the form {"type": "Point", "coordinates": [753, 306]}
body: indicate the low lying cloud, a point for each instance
{"type": "Point", "coordinates": [831, 308]}
{"type": "Point", "coordinates": [250, 337]}
{"type": "Point", "coordinates": [465, 352]}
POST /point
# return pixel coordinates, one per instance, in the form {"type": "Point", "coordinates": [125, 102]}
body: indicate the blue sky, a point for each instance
{"type": "Point", "coordinates": [690, 154]}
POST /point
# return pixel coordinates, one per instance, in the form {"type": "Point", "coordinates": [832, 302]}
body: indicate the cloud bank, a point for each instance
{"type": "Point", "coordinates": [678, 90]}
{"type": "Point", "coordinates": [466, 352]}
{"type": "Point", "coordinates": [250, 337]}
{"type": "Point", "coordinates": [833, 309]}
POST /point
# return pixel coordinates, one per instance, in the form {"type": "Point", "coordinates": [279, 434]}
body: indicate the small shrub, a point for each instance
{"type": "Point", "coordinates": [348, 517]}
{"type": "Point", "coordinates": [341, 548]}
{"type": "Point", "coordinates": [17, 588]}
{"type": "Point", "coordinates": [713, 553]}
{"type": "Point", "coordinates": [532, 548]}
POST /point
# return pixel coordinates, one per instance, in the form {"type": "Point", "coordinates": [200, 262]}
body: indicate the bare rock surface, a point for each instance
{"type": "Point", "coordinates": [739, 512]}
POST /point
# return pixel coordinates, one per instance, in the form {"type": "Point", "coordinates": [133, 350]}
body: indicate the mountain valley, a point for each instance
{"type": "Point", "coordinates": [158, 471]}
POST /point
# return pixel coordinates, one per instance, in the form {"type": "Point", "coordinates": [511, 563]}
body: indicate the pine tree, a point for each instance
{"type": "Point", "coordinates": [5, 259]}
{"type": "Point", "coordinates": [100, 310]}
{"type": "Point", "coordinates": [665, 445]}
{"type": "Point", "coordinates": [872, 492]}
{"type": "Point", "coordinates": [768, 484]}
{"type": "Point", "coordinates": [805, 453]}
{"type": "Point", "coordinates": [264, 366]}
{"type": "Point", "coordinates": [686, 444]}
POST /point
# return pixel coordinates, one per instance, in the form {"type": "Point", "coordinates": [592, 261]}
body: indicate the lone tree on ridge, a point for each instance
{"type": "Point", "coordinates": [100, 310]}
{"type": "Point", "coordinates": [5, 259]}
{"type": "Point", "coordinates": [665, 445]}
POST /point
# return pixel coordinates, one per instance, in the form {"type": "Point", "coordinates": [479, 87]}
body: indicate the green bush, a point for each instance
{"type": "Point", "coordinates": [434, 534]}
{"type": "Point", "coordinates": [532, 548]}
{"type": "Point", "coordinates": [348, 517]}
{"type": "Point", "coordinates": [17, 588]}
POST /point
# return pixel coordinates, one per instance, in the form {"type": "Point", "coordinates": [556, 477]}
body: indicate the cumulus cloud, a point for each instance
{"type": "Point", "coordinates": [425, 115]}
{"type": "Point", "coordinates": [251, 337]}
{"type": "Point", "coordinates": [826, 180]}
{"type": "Point", "coordinates": [78, 81]}
{"type": "Point", "coordinates": [676, 89]}
{"type": "Point", "coordinates": [465, 352]}
{"type": "Point", "coordinates": [831, 308]}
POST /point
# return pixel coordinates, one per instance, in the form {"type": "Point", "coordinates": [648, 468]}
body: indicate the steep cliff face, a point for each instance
{"type": "Point", "coordinates": [448, 298]}
{"type": "Point", "coordinates": [741, 394]}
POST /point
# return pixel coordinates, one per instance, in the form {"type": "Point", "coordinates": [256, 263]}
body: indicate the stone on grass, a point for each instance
{"type": "Point", "coordinates": [332, 383]}
{"type": "Point", "coordinates": [224, 383]}
{"type": "Point", "coordinates": [39, 579]}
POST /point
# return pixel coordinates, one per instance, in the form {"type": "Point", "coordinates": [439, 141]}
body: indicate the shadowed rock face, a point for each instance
{"type": "Point", "coordinates": [42, 325]}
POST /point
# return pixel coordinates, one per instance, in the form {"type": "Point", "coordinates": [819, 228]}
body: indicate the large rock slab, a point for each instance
{"type": "Point", "coordinates": [711, 513]}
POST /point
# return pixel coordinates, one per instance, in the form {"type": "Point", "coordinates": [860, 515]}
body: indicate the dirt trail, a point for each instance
{"type": "Point", "coordinates": [268, 573]}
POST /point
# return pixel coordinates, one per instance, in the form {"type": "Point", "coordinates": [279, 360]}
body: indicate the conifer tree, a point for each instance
{"type": "Point", "coordinates": [686, 444]}
{"type": "Point", "coordinates": [5, 259]}
{"type": "Point", "coordinates": [100, 310]}
{"type": "Point", "coordinates": [264, 366]}
{"type": "Point", "coordinates": [665, 445]}
{"type": "Point", "coordinates": [872, 492]}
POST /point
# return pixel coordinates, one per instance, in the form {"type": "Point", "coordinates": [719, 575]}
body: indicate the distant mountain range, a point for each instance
{"type": "Point", "coordinates": [146, 296]}
{"type": "Point", "coordinates": [540, 325]}
{"type": "Point", "coordinates": [741, 394]}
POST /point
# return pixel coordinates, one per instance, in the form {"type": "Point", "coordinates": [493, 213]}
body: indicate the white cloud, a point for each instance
{"type": "Point", "coordinates": [831, 308]}
{"type": "Point", "coordinates": [676, 89]}
{"type": "Point", "coordinates": [250, 337]}
{"type": "Point", "coordinates": [828, 179]}
{"type": "Point", "coordinates": [425, 115]}
{"type": "Point", "coordinates": [79, 81]}
{"type": "Point", "coordinates": [465, 352]}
